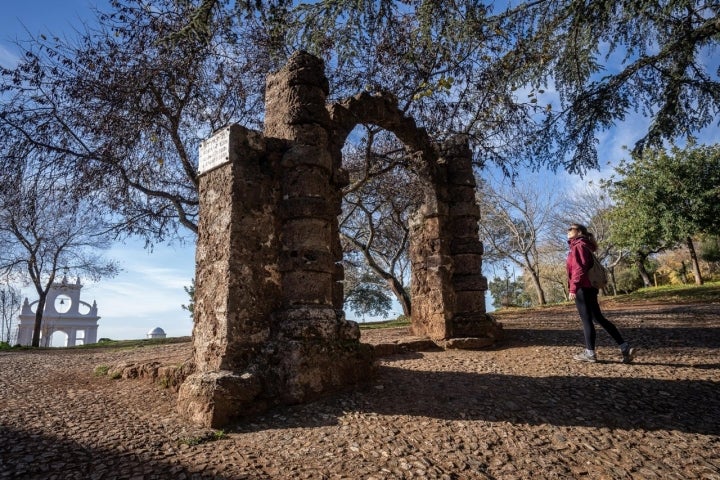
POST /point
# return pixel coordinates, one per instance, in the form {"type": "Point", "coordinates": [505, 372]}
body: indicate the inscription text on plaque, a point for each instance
{"type": "Point", "coordinates": [214, 151]}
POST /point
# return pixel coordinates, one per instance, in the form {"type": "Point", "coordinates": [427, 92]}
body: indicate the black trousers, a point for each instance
{"type": "Point", "coordinates": [586, 301]}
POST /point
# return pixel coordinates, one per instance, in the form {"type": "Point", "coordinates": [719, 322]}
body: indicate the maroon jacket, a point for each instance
{"type": "Point", "coordinates": [579, 261]}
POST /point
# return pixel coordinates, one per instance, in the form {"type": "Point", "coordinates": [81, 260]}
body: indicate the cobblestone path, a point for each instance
{"type": "Point", "coordinates": [520, 410]}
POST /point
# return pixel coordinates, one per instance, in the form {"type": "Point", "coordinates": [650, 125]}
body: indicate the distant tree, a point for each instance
{"type": "Point", "coordinates": [365, 295]}
{"type": "Point", "coordinates": [664, 198]}
{"type": "Point", "coordinates": [46, 227]}
{"type": "Point", "coordinates": [554, 279]}
{"type": "Point", "coordinates": [9, 307]}
{"type": "Point", "coordinates": [674, 266]}
{"type": "Point", "coordinates": [639, 233]}
{"type": "Point", "coordinates": [515, 221]}
{"type": "Point", "coordinates": [507, 291]}
{"type": "Point", "coordinates": [190, 307]}
{"type": "Point", "coordinates": [377, 205]}
{"type": "Point", "coordinates": [710, 251]}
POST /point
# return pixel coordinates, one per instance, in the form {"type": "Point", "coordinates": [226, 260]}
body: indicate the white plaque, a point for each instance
{"type": "Point", "coordinates": [214, 151]}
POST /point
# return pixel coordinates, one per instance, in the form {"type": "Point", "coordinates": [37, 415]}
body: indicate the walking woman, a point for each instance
{"type": "Point", "coordinates": [579, 260]}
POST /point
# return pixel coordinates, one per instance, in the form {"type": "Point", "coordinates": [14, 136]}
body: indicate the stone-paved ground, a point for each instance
{"type": "Point", "coordinates": [521, 410]}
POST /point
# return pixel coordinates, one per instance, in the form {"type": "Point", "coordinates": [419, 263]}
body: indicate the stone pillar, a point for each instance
{"type": "Point", "coordinates": [432, 269]}
{"type": "Point", "coordinates": [469, 326]}
{"type": "Point", "coordinates": [268, 329]}
{"type": "Point", "coordinates": [448, 288]}
{"type": "Point", "coordinates": [237, 282]}
{"type": "Point", "coordinates": [321, 349]}
{"type": "Point", "coordinates": [71, 337]}
{"type": "Point", "coordinates": [295, 111]}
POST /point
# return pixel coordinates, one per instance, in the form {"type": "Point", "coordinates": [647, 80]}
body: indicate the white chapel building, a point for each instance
{"type": "Point", "coordinates": [64, 312]}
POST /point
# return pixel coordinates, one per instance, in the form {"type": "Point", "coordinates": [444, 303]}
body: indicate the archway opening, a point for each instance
{"type": "Point", "coordinates": [58, 338]}
{"type": "Point", "coordinates": [382, 195]}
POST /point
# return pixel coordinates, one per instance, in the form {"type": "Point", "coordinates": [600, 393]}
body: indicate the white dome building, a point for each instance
{"type": "Point", "coordinates": [156, 332]}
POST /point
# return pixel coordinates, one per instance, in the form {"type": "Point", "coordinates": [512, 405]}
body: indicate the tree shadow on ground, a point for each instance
{"type": "Point", "coordinates": [690, 406]}
{"type": "Point", "coordinates": [569, 401]}
{"type": "Point", "coordinates": [45, 457]}
{"type": "Point", "coordinates": [643, 337]}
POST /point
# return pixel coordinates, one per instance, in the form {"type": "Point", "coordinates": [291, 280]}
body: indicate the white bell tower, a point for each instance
{"type": "Point", "coordinates": [64, 312]}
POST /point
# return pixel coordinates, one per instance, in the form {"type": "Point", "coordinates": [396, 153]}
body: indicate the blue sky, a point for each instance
{"type": "Point", "coordinates": [149, 291]}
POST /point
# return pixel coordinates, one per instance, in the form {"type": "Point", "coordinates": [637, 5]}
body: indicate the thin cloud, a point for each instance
{"type": "Point", "coordinates": [8, 59]}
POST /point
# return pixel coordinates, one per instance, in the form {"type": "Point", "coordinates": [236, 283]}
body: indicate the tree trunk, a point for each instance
{"type": "Point", "coordinates": [695, 263]}
{"type": "Point", "coordinates": [538, 288]}
{"type": "Point", "coordinates": [401, 294]}
{"type": "Point", "coordinates": [640, 264]}
{"type": "Point", "coordinates": [38, 320]}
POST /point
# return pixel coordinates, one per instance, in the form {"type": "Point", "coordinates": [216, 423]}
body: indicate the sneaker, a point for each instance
{"type": "Point", "coordinates": [628, 355]}
{"type": "Point", "coordinates": [584, 357]}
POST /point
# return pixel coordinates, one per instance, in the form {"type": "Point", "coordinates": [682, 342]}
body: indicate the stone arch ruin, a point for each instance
{"type": "Point", "coordinates": [269, 325]}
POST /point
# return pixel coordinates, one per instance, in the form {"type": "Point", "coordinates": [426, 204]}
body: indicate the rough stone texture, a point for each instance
{"type": "Point", "coordinates": [519, 410]}
{"type": "Point", "coordinates": [237, 265]}
{"type": "Point", "coordinates": [269, 326]}
{"type": "Point", "coordinates": [213, 398]}
{"type": "Point", "coordinates": [448, 288]}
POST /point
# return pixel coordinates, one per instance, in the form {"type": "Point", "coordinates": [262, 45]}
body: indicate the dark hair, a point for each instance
{"type": "Point", "coordinates": [585, 233]}
{"type": "Point", "coordinates": [581, 228]}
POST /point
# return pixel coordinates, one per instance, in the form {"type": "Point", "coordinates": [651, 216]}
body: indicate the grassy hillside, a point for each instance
{"type": "Point", "coordinates": [710, 292]}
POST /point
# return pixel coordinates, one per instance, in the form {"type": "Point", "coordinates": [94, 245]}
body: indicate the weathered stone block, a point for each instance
{"type": "Point", "coordinates": [307, 288]}
{"type": "Point", "coordinates": [306, 181]}
{"type": "Point", "coordinates": [433, 325]}
{"type": "Point", "coordinates": [460, 177]}
{"type": "Point", "coordinates": [309, 370]}
{"type": "Point", "coordinates": [463, 193]}
{"type": "Point", "coordinates": [467, 264]}
{"type": "Point", "coordinates": [466, 244]}
{"type": "Point", "coordinates": [301, 69]}
{"type": "Point", "coordinates": [316, 323]}
{"type": "Point", "coordinates": [464, 224]}
{"type": "Point", "coordinates": [309, 155]}
{"type": "Point", "coordinates": [464, 283]}
{"type": "Point", "coordinates": [464, 209]}
{"type": "Point", "coordinates": [320, 208]}
{"type": "Point", "coordinates": [215, 398]}
{"type": "Point", "coordinates": [469, 301]}
{"type": "Point", "coordinates": [311, 260]}
{"type": "Point", "coordinates": [304, 134]}
{"type": "Point", "coordinates": [306, 234]}
{"type": "Point", "coordinates": [439, 261]}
